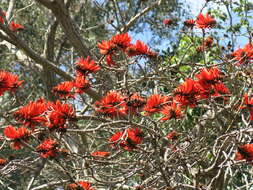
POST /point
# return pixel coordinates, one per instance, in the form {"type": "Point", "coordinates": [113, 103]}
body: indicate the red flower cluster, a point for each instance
{"type": "Point", "coordinates": [168, 22]}
{"type": "Point", "coordinates": [155, 103]}
{"type": "Point", "coordinates": [187, 92]}
{"type": "Point", "coordinates": [208, 77]}
{"type": "Point", "coordinates": [2, 16]}
{"type": "Point", "coordinates": [48, 148]}
{"type": "Point", "coordinates": [189, 23]}
{"type": "Point", "coordinates": [208, 85]}
{"type": "Point", "coordinates": [8, 82]}
{"type": "Point", "coordinates": [173, 135]}
{"type": "Point", "coordinates": [64, 90]}
{"type": "Point", "coordinates": [17, 136]}
{"type": "Point", "coordinates": [127, 139]}
{"type": "Point", "coordinates": [32, 114]}
{"type": "Point", "coordinates": [243, 55]}
{"type": "Point", "coordinates": [248, 104]}
{"type": "Point", "coordinates": [80, 185]}
{"type": "Point", "coordinates": [139, 48]}
{"type": "Point", "coordinates": [202, 21]}
{"type": "Point", "coordinates": [205, 21]}
{"type": "Point", "coordinates": [211, 84]}
{"type": "Point", "coordinates": [100, 154]}
{"type": "Point", "coordinates": [3, 162]}
{"type": "Point", "coordinates": [122, 42]}
{"type": "Point", "coordinates": [81, 84]}
{"type": "Point", "coordinates": [171, 111]}
{"type": "Point", "coordinates": [13, 26]}
{"type": "Point", "coordinates": [135, 103]}
{"type": "Point", "coordinates": [68, 89]}
{"type": "Point", "coordinates": [112, 105]}
{"type": "Point", "coordinates": [58, 115]}
{"type": "Point", "coordinates": [245, 152]}
{"type": "Point", "coordinates": [41, 113]}
{"type": "Point", "coordinates": [86, 66]}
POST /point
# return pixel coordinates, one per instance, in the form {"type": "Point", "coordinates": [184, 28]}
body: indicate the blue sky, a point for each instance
{"type": "Point", "coordinates": [194, 9]}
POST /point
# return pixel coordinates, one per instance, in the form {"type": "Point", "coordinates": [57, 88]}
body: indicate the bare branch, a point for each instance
{"type": "Point", "coordinates": [10, 9]}
{"type": "Point", "coordinates": [132, 21]}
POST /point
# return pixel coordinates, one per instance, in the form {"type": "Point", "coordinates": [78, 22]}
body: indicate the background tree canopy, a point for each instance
{"type": "Point", "coordinates": [94, 107]}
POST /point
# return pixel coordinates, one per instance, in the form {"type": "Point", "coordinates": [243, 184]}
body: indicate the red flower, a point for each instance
{"type": "Point", "coordinates": [48, 148]}
{"type": "Point", "coordinates": [118, 42]}
{"type": "Point", "coordinates": [122, 41]}
{"type": "Point", "coordinates": [168, 22]}
{"type": "Point", "coordinates": [248, 104]}
{"type": "Point", "coordinates": [189, 23]}
{"type": "Point", "coordinates": [32, 114]}
{"type": "Point", "coordinates": [56, 121]}
{"type": "Point", "coordinates": [171, 111]}
{"type": "Point", "coordinates": [2, 15]}
{"type": "Point", "coordinates": [135, 102]}
{"type": "Point", "coordinates": [109, 60]}
{"type": "Point", "coordinates": [173, 135]}
{"type": "Point", "coordinates": [81, 84]}
{"type": "Point", "coordinates": [66, 110]}
{"type": "Point", "coordinates": [139, 48]}
{"type": "Point", "coordinates": [112, 105]}
{"type": "Point", "coordinates": [245, 152]}
{"type": "Point", "coordinates": [205, 21]}
{"type": "Point", "coordinates": [210, 84]}
{"type": "Point", "coordinates": [208, 77]}
{"type": "Point", "coordinates": [100, 154]}
{"type": "Point", "coordinates": [17, 136]}
{"type": "Point", "coordinates": [8, 81]}
{"type": "Point", "coordinates": [243, 55]}
{"type": "Point", "coordinates": [186, 93]}
{"type": "Point", "coordinates": [3, 162]}
{"type": "Point", "coordinates": [221, 89]}
{"type": "Point", "coordinates": [64, 90]}
{"type": "Point", "coordinates": [81, 184]}
{"type": "Point", "coordinates": [155, 103]}
{"type": "Point", "coordinates": [58, 115]}
{"type": "Point", "coordinates": [107, 47]}
{"type": "Point", "coordinates": [15, 26]}
{"type": "Point", "coordinates": [13, 134]}
{"type": "Point", "coordinates": [127, 139]}
{"type": "Point", "coordinates": [86, 66]}
{"type": "Point", "coordinates": [217, 91]}
{"type": "Point", "coordinates": [136, 135]}
{"type": "Point", "coordinates": [116, 138]}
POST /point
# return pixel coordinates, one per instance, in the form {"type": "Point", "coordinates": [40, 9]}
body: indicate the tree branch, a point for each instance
{"type": "Point", "coordinates": [10, 9]}
{"type": "Point", "coordinates": [132, 21]}
{"type": "Point", "coordinates": [48, 75]}
{"type": "Point", "coordinates": [61, 13]}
